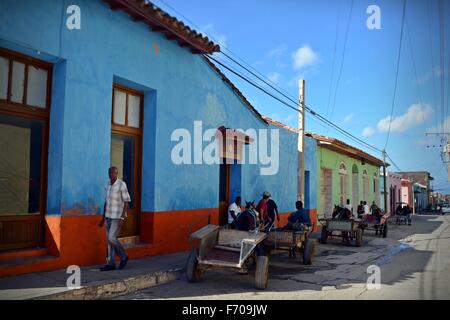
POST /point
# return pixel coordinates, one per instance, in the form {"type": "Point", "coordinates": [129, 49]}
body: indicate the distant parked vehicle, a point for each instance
{"type": "Point", "coordinates": [445, 209]}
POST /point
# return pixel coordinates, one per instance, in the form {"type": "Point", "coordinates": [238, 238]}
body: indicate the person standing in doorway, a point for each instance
{"type": "Point", "coordinates": [114, 214]}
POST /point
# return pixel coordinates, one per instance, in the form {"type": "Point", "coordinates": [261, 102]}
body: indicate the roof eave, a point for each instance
{"type": "Point", "coordinates": [159, 21]}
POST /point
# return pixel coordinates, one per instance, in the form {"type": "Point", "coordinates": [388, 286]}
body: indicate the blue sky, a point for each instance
{"type": "Point", "coordinates": [291, 39]}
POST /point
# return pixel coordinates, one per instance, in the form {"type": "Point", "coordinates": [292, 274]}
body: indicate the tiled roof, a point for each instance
{"type": "Point", "coordinates": [333, 143]}
{"type": "Point", "coordinates": [160, 21]}
{"type": "Point", "coordinates": [279, 124]}
{"type": "Point", "coordinates": [235, 89]}
{"type": "Point", "coordinates": [340, 146]}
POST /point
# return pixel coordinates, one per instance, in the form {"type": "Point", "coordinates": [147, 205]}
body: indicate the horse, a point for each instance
{"type": "Point", "coordinates": [341, 213]}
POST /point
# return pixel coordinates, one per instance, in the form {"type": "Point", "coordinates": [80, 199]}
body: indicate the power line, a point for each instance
{"type": "Point", "coordinates": [392, 161]}
{"type": "Point", "coordinates": [274, 86]}
{"type": "Point", "coordinates": [396, 72]}
{"type": "Point", "coordinates": [430, 37]}
{"type": "Point", "coordinates": [342, 60]}
{"type": "Point", "coordinates": [442, 53]}
{"type": "Point", "coordinates": [320, 117]}
{"type": "Point", "coordinates": [334, 59]}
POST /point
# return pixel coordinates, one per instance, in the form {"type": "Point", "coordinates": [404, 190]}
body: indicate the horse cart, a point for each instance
{"type": "Point", "coordinates": [293, 241]}
{"type": "Point", "coordinates": [347, 229]}
{"type": "Point", "coordinates": [228, 249]}
{"type": "Point", "coordinates": [378, 223]}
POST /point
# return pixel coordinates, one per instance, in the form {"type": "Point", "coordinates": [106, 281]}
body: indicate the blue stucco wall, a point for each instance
{"type": "Point", "coordinates": [179, 87]}
{"type": "Point", "coordinates": [311, 167]}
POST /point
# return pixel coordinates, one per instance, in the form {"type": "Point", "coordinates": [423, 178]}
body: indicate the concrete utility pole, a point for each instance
{"type": "Point", "coordinates": [384, 182]}
{"type": "Point", "coordinates": [301, 141]}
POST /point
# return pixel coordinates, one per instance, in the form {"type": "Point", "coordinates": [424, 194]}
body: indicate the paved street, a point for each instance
{"type": "Point", "coordinates": [414, 262]}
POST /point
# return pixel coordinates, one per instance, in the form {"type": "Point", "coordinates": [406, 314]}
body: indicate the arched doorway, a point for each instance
{"type": "Point", "coordinates": [343, 194]}
{"type": "Point", "coordinates": [365, 186]}
{"type": "Point", "coordinates": [355, 187]}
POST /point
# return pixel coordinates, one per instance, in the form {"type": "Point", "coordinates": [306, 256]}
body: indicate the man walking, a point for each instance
{"type": "Point", "coordinates": [114, 213]}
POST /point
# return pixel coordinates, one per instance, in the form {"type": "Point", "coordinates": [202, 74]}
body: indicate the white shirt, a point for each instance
{"type": "Point", "coordinates": [349, 207]}
{"type": "Point", "coordinates": [366, 209]}
{"type": "Point", "coordinates": [233, 207]}
{"type": "Point", "coordinates": [116, 195]}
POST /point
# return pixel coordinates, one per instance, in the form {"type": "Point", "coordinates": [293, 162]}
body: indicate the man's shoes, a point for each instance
{"type": "Point", "coordinates": [123, 263]}
{"type": "Point", "coordinates": [107, 268]}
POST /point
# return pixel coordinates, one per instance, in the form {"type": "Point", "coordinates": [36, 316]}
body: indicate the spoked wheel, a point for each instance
{"type": "Point", "coordinates": [309, 250]}
{"type": "Point", "coordinates": [262, 272]}
{"type": "Point", "coordinates": [193, 273]}
{"type": "Point", "coordinates": [385, 230]}
{"type": "Point", "coordinates": [359, 237]}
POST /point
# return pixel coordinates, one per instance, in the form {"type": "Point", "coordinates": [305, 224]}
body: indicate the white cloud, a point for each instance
{"type": "Point", "coordinates": [277, 51]}
{"type": "Point", "coordinates": [219, 38]}
{"type": "Point", "coordinates": [304, 56]}
{"type": "Point", "coordinates": [415, 115]}
{"type": "Point", "coordinates": [348, 118]}
{"type": "Point", "coordinates": [274, 77]}
{"type": "Point", "coordinates": [368, 131]}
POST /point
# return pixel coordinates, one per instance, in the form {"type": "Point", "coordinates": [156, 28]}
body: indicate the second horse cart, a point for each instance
{"type": "Point", "coordinates": [350, 230]}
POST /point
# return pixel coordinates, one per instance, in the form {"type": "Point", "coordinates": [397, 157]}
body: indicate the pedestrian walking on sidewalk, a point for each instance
{"type": "Point", "coordinates": [114, 214]}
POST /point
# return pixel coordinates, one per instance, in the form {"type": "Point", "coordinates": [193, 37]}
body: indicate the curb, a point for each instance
{"type": "Point", "coordinates": [118, 287]}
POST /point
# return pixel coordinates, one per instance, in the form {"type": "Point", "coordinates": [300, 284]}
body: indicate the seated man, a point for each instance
{"type": "Point", "coordinates": [233, 211]}
{"type": "Point", "coordinates": [298, 219]}
{"type": "Point", "coordinates": [247, 220]}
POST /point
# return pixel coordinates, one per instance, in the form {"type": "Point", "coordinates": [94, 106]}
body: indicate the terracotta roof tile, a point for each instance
{"type": "Point", "coordinates": [160, 21]}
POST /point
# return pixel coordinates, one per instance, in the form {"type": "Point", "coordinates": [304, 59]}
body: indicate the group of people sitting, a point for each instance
{"type": "Point", "coordinates": [263, 215]}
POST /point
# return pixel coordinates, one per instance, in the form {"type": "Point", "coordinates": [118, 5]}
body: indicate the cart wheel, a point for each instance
{"type": "Point", "coordinates": [359, 236]}
{"type": "Point", "coordinates": [324, 235]}
{"type": "Point", "coordinates": [262, 272]}
{"type": "Point", "coordinates": [309, 250]}
{"type": "Point", "coordinates": [192, 272]}
{"type": "Point", "coordinates": [385, 230]}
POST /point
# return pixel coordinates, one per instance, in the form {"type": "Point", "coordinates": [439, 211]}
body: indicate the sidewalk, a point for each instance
{"type": "Point", "coordinates": [138, 274]}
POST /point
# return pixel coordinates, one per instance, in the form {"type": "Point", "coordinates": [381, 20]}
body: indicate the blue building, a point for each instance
{"type": "Point", "coordinates": [90, 84]}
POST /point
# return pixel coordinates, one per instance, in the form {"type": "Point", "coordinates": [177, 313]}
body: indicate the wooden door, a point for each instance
{"type": "Point", "coordinates": [224, 193]}
{"type": "Point", "coordinates": [24, 114]}
{"type": "Point", "coordinates": [126, 150]}
{"type": "Point", "coordinates": [326, 199]}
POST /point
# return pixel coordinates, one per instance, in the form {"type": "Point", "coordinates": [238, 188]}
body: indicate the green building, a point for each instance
{"type": "Point", "coordinates": [344, 172]}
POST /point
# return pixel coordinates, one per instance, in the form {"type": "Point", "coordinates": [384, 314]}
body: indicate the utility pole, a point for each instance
{"type": "Point", "coordinates": [384, 181]}
{"type": "Point", "coordinates": [301, 141]}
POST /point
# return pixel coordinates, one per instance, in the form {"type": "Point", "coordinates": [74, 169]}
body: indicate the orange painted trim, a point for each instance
{"type": "Point", "coordinates": [20, 254]}
{"type": "Point", "coordinates": [79, 240]}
